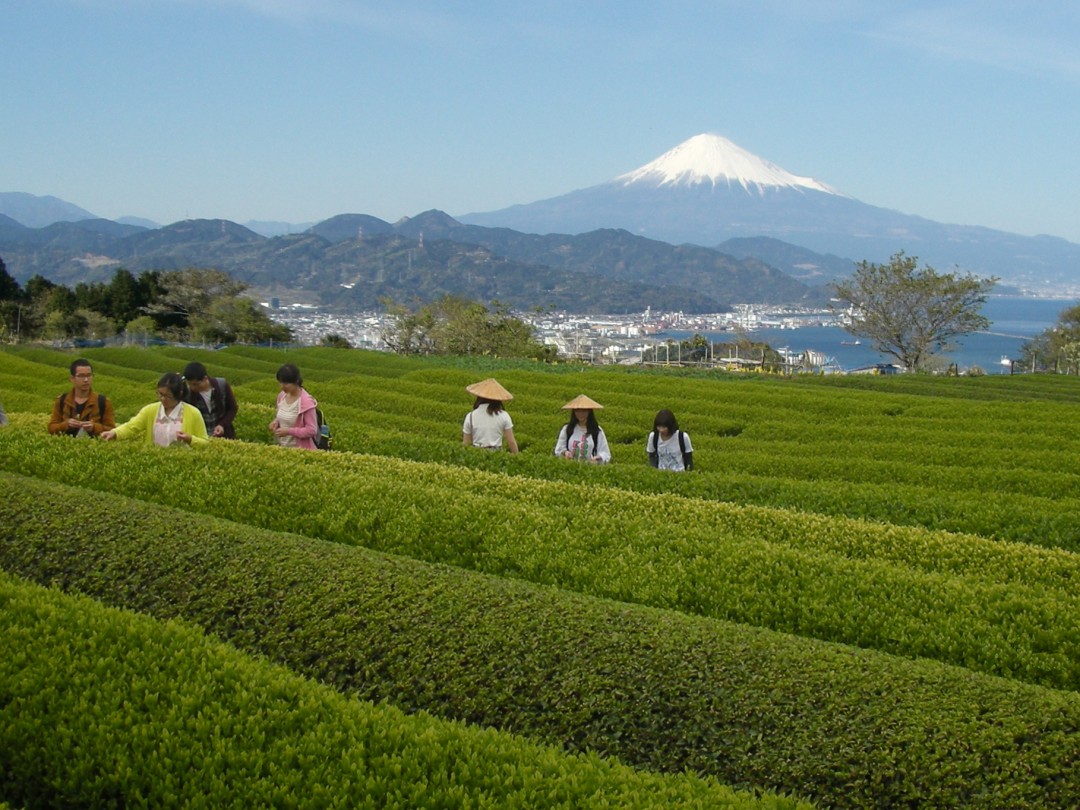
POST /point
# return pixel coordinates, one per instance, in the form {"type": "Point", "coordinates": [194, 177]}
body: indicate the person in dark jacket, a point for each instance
{"type": "Point", "coordinates": [81, 411]}
{"type": "Point", "coordinates": [214, 398]}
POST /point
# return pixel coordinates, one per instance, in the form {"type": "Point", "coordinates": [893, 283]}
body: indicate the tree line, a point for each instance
{"type": "Point", "coordinates": [457, 326]}
{"type": "Point", "coordinates": [197, 305]}
{"type": "Point", "coordinates": [905, 311]}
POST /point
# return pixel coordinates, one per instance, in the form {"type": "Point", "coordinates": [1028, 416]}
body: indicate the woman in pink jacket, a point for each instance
{"type": "Point", "coordinates": [295, 424]}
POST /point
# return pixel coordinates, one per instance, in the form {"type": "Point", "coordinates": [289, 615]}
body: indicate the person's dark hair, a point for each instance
{"type": "Point", "coordinates": [493, 405]}
{"type": "Point", "coordinates": [665, 418]}
{"type": "Point", "coordinates": [289, 373]}
{"type": "Point", "coordinates": [195, 371]}
{"type": "Point", "coordinates": [592, 427]}
{"type": "Point", "coordinates": [80, 362]}
{"type": "Point", "coordinates": [176, 385]}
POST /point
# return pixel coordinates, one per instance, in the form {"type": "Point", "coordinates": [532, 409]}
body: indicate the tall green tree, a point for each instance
{"type": "Point", "coordinates": [457, 326]}
{"type": "Point", "coordinates": [9, 287]}
{"type": "Point", "coordinates": [37, 287]}
{"type": "Point", "coordinates": [209, 305]}
{"type": "Point", "coordinates": [1057, 348]}
{"type": "Point", "coordinates": [127, 296]}
{"type": "Point", "coordinates": [97, 326]}
{"type": "Point", "coordinates": [188, 292]}
{"type": "Point", "coordinates": [911, 313]}
{"type": "Point", "coordinates": [12, 301]}
{"type": "Point", "coordinates": [93, 297]}
{"type": "Point", "coordinates": [236, 320]}
{"type": "Point", "coordinates": [140, 330]}
{"type": "Point", "coordinates": [333, 340]}
{"type": "Point", "coordinates": [410, 331]}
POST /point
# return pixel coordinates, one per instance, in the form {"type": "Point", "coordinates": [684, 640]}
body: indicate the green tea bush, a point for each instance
{"type": "Point", "coordinates": [657, 689]}
{"type": "Point", "coordinates": [104, 708]}
{"type": "Point", "coordinates": [993, 457]}
{"type": "Point", "coordinates": [1004, 610]}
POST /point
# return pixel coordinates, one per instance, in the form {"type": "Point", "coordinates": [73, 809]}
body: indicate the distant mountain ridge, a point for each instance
{"type": "Point", "coordinates": [800, 263]}
{"type": "Point", "coordinates": [33, 211]}
{"type": "Point", "coordinates": [38, 212]}
{"type": "Point", "coordinates": [707, 191]}
{"type": "Point", "coordinates": [355, 261]}
{"type": "Point", "coordinates": [710, 192]}
{"type": "Point", "coordinates": [622, 256]}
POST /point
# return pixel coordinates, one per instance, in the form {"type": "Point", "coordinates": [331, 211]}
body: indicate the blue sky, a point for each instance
{"type": "Point", "coordinates": [297, 110]}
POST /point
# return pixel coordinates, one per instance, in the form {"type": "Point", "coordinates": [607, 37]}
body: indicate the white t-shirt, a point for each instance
{"type": "Point", "coordinates": [486, 430]}
{"type": "Point", "coordinates": [670, 455]}
{"type": "Point", "coordinates": [287, 414]}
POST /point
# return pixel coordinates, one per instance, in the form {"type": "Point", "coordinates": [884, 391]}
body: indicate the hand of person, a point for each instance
{"type": "Point", "coordinates": [567, 454]}
{"type": "Point", "coordinates": [273, 426]}
{"type": "Point", "coordinates": [108, 435]}
{"type": "Point", "coordinates": [74, 423]}
{"type": "Point", "coordinates": [183, 437]}
{"type": "Point", "coordinates": [88, 426]}
{"type": "Point", "coordinates": [281, 431]}
{"type": "Point", "coordinates": [219, 430]}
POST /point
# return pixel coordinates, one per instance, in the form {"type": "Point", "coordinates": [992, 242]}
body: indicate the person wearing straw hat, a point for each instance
{"type": "Point", "coordinates": [582, 438]}
{"type": "Point", "coordinates": [488, 423]}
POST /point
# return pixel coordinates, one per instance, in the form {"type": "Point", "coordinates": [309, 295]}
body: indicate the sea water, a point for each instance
{"type": "Point", "coordinates": [1014, 320]}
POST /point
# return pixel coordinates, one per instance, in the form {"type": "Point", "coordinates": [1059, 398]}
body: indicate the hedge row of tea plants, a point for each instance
{"type": "Point", "coordinates": [753, 439]}
{"type": "Point", "coordinates": [657, 689]}
{"type": "Point", "coordinates": [925, 460]}
{"type": "Point", "coordinates": [101, 707]}
{"type": "Point", "coordinates": [1016, 514]}
{"type": "Point", "coordinates": [1001, 609]}
{"type": "Point", "coordinates": [908, 455]}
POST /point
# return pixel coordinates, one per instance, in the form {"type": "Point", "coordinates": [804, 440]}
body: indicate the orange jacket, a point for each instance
{"type": "Point", "coordinates": [64, 409]}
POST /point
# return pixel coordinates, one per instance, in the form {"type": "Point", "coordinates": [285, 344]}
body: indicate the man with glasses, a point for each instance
{"type": "Point", "coordinates": [80, 411]}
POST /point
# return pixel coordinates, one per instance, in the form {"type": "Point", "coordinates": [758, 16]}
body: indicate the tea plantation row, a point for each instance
{"type": "Point", "coordinates": [1003, 609]}
{"type": "Point", "coordinates": [995, 467]}
{"type": "Point", "coordinates": [740, 594]}
{"type": "Point", "coordinates": [104, 708]}
{"type": "Point", "coordinates": [657, 689]}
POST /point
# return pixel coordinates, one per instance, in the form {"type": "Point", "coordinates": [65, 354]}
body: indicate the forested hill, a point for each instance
{"type": "Point", "coordinates": [357, 261]}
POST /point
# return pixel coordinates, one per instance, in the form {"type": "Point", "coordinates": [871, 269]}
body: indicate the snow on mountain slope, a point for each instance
{"type": "Point", "coordinates": [713, 159]}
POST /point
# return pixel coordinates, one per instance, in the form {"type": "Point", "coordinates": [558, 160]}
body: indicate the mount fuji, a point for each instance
{"type": "Point", "coordinates": [713, 160]}
{"type": "Point", "coordinates": [708, 190]}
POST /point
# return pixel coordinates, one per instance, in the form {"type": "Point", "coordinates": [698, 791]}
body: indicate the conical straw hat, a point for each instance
{"type": "Point", "coordinates": [582, 402]}
{"type": "Point", "coordinates": [489, 389]}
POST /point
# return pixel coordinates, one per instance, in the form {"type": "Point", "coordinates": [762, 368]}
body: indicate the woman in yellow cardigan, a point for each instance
{"type": "Point", "coordinates": [168, 421]}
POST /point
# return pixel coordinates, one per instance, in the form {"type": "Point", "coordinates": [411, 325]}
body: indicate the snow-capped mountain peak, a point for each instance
{"type": "Point", "coordinates": [714, 159]}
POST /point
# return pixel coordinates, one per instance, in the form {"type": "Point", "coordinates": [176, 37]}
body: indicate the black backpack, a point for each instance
{"type": "Point", "coordinates": [688, 458]}
{"type": "Point", "coordinates": [323, 439]}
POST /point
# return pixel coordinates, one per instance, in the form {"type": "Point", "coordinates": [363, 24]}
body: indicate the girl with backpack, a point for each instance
{"type": "Point", "coordinates": [296, 423]}
{"type": "Point", "coordinates": [668, 447]}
